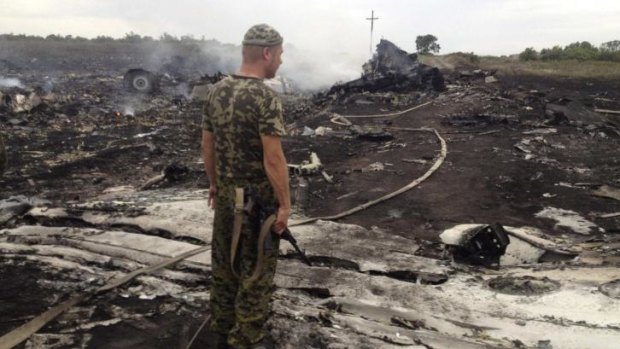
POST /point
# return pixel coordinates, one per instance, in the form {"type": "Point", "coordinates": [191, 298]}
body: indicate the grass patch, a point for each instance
{"type": "Point", "coordinates": [563, 68]}
{"type": "Point", "coordinates": [511, 66]}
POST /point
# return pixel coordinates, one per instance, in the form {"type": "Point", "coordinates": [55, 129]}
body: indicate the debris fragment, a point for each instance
{"type": "Point", "coordinates": [569, 219]}
{"type": "Point", "coordinates": [328, 178]}
{"type": "Point", "coordinates": [607, 191]}
{"type": "Point", "coordinates": [392, 69]}
{"type": "Point", "coordinates": [374, 167]}
{"type": "Point", "coordinates": [607, 111]}
{"type": "Point", "coordinates": [307, 168]}
{"type": "Point", "coordinates": [322, 131]}
{"type": "Point", "coordinates": [523, 285]}
{"type": "Point", "coordinates": [340, 120]}
{"type": "Point", "coordinates": [480, 119]}
{"type": "Point", "coordinates": [347, 195]}
{"type": "Point", "coordinates": [171, 173]}
{"type": "Point", "coordinates": [307, 132]}
{"type": "Point", "coordinates": [374, 134]}
{"type": "Point", "coordinates": [148, 134]}
{"type": "Point", "coordinates": [541, 131]}
{"type": "Point", "coordinates": [24, 103]}
{"type": "Point", "coordinates": [527, 245]}
{"type": "Point", "coordinates": [611, 289]}
{"type": "Point", "coordinates": [141, 81]}
{"type": "Point", "coordinates": [18, 205]}
{"type": "Point", "coordinates": [490, 79]}
{"type": "Point", "coordinates": [573, 113]}
{"type": "Point", "coordinates": [479, 245]}
{"type": "Point", "coordinates": [416, 161]}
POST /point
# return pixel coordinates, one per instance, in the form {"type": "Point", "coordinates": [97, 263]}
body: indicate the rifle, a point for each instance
{"type": "Point", "coordinates": [246, 202]}
{"type": "Point", "coordinates": [266, 211]}
{"type": "Point", "coordinates": [286, 235]}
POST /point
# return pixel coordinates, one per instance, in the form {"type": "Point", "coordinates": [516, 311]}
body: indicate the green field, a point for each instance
{"type": "Point", "coordinates": [508, 66]}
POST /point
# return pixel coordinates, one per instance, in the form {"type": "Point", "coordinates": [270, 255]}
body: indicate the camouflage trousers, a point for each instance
{"type": "Point", "coordinates": [239, 308]}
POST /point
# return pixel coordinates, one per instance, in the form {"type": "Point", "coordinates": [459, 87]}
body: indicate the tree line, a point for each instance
{"type": "Point", "coordinates": [581, 51]}
{"type": "Point", "coordinates": [130, 37]}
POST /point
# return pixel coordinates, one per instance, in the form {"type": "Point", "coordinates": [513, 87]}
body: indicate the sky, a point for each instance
{"type": "Point", "coordinates": [494, 27]}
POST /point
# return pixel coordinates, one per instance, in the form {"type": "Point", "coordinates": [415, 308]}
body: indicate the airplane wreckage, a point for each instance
{"type": "Point", "coordinates": [473, 214]}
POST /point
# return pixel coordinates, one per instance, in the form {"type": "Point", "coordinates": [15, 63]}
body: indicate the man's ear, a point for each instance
{"type": "Point", "coordinates": [267, 54]}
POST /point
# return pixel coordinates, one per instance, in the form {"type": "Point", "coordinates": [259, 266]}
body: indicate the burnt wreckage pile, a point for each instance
{"type": "Point", "coordinates": [174, 73]}
{"type": "Point", "coordinates": [127, 192]}
{"type": "Point", "coordinates": [393, 69]}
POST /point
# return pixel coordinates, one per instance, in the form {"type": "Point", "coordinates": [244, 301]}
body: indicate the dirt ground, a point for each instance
{"type": "Point", "coordinates": [508, 160]}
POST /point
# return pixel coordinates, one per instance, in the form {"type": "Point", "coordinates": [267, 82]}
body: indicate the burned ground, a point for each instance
{"type": "Point", "coordinates": [514, 156]}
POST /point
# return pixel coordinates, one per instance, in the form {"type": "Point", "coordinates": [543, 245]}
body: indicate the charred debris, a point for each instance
{"type": "Point", "coordinates": [104, 177]}
{"type": "Point", "coordinates": [392, 69]}
{"type": "Point", "coordinates": [76, 134]}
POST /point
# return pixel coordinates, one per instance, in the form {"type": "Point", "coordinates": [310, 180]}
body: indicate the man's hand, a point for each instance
{"type": "Point", "coordinates": [211, 196]}
{"type": "Point", "coordinates": [281, 222]}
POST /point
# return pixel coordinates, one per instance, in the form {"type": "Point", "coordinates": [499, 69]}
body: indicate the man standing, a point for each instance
{"type": "Point", "coordinates": [242, 126]}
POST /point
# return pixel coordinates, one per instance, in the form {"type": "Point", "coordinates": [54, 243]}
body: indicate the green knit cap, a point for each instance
{"type": "Point", "coordinates": [262, 35]}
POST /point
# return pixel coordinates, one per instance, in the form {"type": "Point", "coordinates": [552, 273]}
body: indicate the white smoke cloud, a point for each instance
{"type": "Point", "coordinates": [309, 70]}
{"type": "Point", "coordinates": [314, 70]}
{"type": "Point", "coordinates": [10, 82]}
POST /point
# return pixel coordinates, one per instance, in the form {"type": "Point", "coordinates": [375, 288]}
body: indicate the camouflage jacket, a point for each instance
{"type": "Point", "coordinates": [238, 111]}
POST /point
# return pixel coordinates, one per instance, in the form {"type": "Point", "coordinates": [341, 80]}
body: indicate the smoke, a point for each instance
{"type": "Point", "coordinates": [224, 58]}
{"type": "Point", "coordinates": [49, 84]}
{"type": "Point", "coordinates": [10, 82]}
{"type": "Point", "coordinates": [132, 104]}
{"type": "Point", "coordinates": [313, 70]}
{"type": "Point", "coordinates": [183, 89]}
{"type": "Point", "coordinates": [309, 70]}
{"type": "Point", "coordinates": [128, 110]}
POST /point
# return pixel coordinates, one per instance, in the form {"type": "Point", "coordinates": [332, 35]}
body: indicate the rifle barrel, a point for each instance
{"type": "Point", "coordinates": [286, 235]}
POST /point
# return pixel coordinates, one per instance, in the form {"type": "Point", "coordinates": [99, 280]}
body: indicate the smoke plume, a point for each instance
{"type": "Point", "coordinates": [10, 82]}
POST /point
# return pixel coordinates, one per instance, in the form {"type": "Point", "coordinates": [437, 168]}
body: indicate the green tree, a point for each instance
{"type": "Point", "coordinates": [586, 45]}
{"type": "Point", "coordinates": [613, 46]}
{"type": "Point", "coordinates": [165, 37]}
{"type": "Point", "coordinates": [132, 37]}
{"type": "Point", "coordinates": [187, 38]}
{"type": "Point", "coordinates": [103, 38]}
{"type": "Point", "coordinates": [551, 54]}
{"type": "Point", "coordinates": [53, 37]}
{"type": "Point", "coordinates": [610, 51]}
{"type": "Point", "coordinates": [427, 43]}
{"type": "Point", "coordinates": [581, 51]}
{"type": "Point", "coordinates": [529, 54]}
